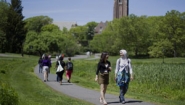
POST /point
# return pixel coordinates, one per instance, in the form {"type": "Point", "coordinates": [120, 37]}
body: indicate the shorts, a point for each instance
{"type": "Point", "coordinates": [45, 68]}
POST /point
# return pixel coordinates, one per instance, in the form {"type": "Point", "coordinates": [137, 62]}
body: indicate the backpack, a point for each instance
{"type": "Point", "coordinates": [122, 77]}
{"type": "Point", "coordinates": [69, 66]}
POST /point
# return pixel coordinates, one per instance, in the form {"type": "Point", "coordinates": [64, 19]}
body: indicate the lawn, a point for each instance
{"type": "Point", "coordinates": [154, 81]}
{"type": "Point", "coordinates": [18, 73]}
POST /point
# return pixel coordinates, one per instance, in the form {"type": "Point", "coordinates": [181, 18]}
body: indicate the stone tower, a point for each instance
{"type": "Point", "coordinates": [120, 8]}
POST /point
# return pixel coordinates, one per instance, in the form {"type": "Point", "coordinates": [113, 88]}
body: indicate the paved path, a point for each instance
{"type": "Point", "coordinates": [76, 91]}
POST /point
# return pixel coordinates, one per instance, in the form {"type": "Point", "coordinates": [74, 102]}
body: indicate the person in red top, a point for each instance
{"type": "Point", "coordinates": [69, 69]}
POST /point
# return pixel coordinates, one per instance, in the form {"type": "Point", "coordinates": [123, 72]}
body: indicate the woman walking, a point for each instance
{"type": "Point", "coordinates": [46, 63]}
{"type": "Point", "coordinates": [102, 76]}
{"type": "Point", "coordinates": [60, 73]}
{"type": "Point", "coordinates": [123, 74]}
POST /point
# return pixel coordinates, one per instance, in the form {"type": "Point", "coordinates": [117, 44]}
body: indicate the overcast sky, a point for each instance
{"type": "Point", "coordinates": [83, 11]}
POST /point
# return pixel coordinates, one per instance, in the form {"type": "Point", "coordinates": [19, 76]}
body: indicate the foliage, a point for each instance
{"type": "Point", "coordinates": [36, 23]}
{"type": "Point", "coordinates": [3, 22]}
{"type": "Point", "coordinates": [30, 89]}
{"type": "Point", "coordinates": [50, 28]}
{"type": "Point", "coordinates": [52, 42]}
{"type": "Point", "coordinates": [8, 96]}
{"type": "Point", "coordinates": [152, 78]}
{"type": "Point", "coordinates": [90, 31]}
{"type": "Point", "coordinates": [142, 35]}
{"type": "Point", "coordinates": [15, 31]}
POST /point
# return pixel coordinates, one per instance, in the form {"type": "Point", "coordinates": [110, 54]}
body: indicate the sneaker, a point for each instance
{"type": "Point", "coordinates": [44, 80]}
{"type": "Point", "coordinates": [123, 102]}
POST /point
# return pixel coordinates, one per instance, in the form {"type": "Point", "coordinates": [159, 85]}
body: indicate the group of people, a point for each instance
{"type": "Point", "coordinates": [45, 65]}
{"type": "Point", "coordinates": [123, 74]}
{"type": "Point", "coordinates": [68, 67]}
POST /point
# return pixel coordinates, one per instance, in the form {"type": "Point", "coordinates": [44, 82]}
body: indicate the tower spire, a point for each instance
{"type": "Point", "coordinates": [120, 8]}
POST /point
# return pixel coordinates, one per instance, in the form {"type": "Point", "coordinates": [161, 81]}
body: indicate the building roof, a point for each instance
{"type": "Point", "coordinates": [68, 25]}
{"type": "Point", "coordinates": [100, 27]}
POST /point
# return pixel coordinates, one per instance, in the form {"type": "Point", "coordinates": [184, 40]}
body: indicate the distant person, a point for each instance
{"type": "Point", "coordinates": [46, 63]}
{"type": "Point", "coordinates": [69, 69]}
{"type": "Point", "coordinates": [49, 57]}
{"type": "Point", "coordinates": [60, 73]}
{"type": "Point", "coordinates": [40, 64]}
{"type": "Point", "coordinates": [103, 69]}
{"type": "Point", "coordinates": [57, 58]}
{"type": "Point", "coordinates": [123, 74]}
{"type": "Point", "coordinates": [43, 55]}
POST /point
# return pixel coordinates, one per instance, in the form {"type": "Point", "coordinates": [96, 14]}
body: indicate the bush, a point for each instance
{"type": "Point", "coordinates": [8, 96]}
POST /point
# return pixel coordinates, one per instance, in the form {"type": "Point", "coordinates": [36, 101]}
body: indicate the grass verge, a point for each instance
{"type": "Point", "coordinates": [18, 73]}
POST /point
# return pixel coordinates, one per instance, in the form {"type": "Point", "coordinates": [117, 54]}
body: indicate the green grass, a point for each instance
{"type": "Point", "coordinates": [18, 73]}
{"type": "Point", "coordinates": [154, 81]}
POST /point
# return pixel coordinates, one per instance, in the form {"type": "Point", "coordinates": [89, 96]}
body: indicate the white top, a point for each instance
{"type": "Point", "coordinates": [122, 63]}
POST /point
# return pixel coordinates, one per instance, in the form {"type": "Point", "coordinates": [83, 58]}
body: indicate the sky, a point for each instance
{"type": "Point", "coordinates": [84, 11]}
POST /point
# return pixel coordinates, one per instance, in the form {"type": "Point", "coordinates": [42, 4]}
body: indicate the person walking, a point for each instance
{"type": "Point", "coordinates": [60, 73]}
{"type": "Point", "coordinates": [46, 63]}
{"type": "Point", "coordinates": [102, 75]}
{"type": "Point", "coordinates": [69, 69]}
{"type": "Point", "coordinates": [123, 74]}
{"type": "Point", "coordinates": [40, 64]}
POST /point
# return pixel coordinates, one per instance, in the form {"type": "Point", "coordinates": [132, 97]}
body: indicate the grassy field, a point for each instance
{"type": "Point", "coordinates": [154, 81]}
{"type": "Point", "coordinates": [18, 73]}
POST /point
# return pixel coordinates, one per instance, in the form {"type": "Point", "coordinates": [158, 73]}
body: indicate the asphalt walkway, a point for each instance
{"type": "Point", "coordinates": [92, 96]}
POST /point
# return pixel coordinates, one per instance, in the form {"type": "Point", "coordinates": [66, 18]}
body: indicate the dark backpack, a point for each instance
{"type": "Point", "coordinates": [69, 66]}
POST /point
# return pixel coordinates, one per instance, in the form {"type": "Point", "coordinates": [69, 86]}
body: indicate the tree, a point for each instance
{"type": "Point", "coordinates": [50, 27]}
{"type": "Point", "coordinates": [15, 31]}
{"type": "Point", "coordinates": [90, 29]}
{"type": "Point", "coordinates": [79, 34]}
{"type": "Point", "coordinates": [36, 23]}
{"type": "Point", "coordinates": [172, 28]}
{"type": "Point", "coordinates": [3, 23]}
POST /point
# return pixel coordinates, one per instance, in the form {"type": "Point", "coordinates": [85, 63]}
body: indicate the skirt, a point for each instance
{"type": "Point", "coordinates": [103, 79]}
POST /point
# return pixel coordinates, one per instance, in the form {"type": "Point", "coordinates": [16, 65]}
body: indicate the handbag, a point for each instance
{"type": "Point", "coordinates": [59, 68]}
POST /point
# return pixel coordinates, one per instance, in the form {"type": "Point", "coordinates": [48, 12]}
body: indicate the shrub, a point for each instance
{"type": "Point", "coordinates": [8, 96]}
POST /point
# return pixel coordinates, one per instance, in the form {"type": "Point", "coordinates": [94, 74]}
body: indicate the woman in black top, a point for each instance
{"type": "Point", "coordinates": [60, 74]}
{"type": "Point", "coordinates": [103, 69]}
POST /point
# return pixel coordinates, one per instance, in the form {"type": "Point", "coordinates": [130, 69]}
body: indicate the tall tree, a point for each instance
{"type": "Point", "coordinates": [3, 22]}
{"type": "Point", "coordinates": [15, 33]}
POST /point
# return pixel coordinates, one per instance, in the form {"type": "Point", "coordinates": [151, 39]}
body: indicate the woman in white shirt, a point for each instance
{"type": "Point", "coordinates": [123, 74]}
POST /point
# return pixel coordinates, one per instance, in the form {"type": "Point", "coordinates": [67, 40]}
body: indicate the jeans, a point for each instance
{"type": "Point", "coordinates": [123, 90]}
{"type": "Point", "coordinates": [40, 68]}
